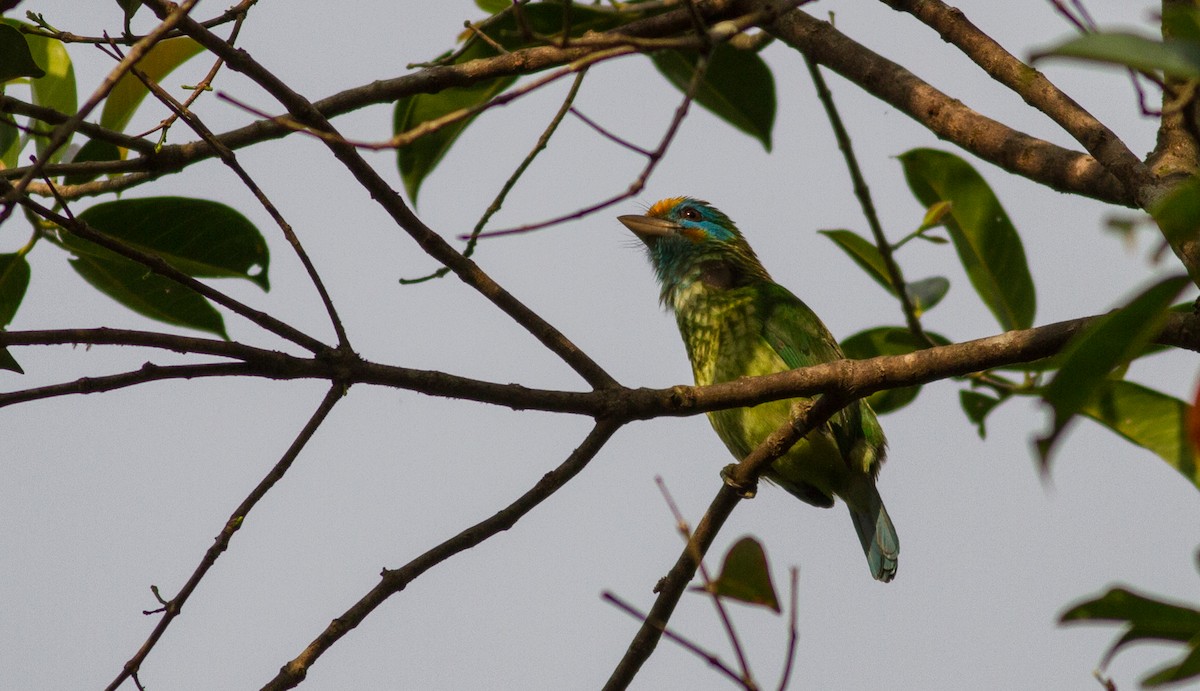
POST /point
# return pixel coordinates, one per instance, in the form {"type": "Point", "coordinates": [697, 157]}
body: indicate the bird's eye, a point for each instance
{"type": "Point", "coordinates": [690, 214]}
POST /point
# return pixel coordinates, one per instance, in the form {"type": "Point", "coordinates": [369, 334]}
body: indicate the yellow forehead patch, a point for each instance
{"type": "Point", "coordinates": [662, 206]}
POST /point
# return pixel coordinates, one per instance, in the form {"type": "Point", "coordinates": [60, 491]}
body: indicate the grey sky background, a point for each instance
{"type": "Point", "coordinates": [105, 495]}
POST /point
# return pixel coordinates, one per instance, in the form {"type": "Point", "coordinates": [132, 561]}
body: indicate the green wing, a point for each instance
{"type": "Point", "coordinates": [796, 333]}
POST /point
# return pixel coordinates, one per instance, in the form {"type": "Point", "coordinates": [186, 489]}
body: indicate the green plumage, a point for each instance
{"type": "Point", "coordinates": [737, 322]}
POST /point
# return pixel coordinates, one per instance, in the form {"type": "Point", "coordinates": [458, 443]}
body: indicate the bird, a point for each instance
{"type": "Point", "coordinates": [737, 322]}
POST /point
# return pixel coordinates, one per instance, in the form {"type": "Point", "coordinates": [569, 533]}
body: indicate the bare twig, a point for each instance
{"type": "Point", "coordinates": [712, 660]}
{"type": "Point", "coordinates": [171, 608]}
{"type": "Point", "coordinates": [498, 201]}
{"type": "Point", "coordinates": [640, 182]}
{"type": "Point", "coordinates": [738, 484]}
{"type": "Point", "coordinates": [793, 629]}
{"type": "Point", "coordinates": [393, 581]}
{"type": "Point", "coordinates": [863, 193]}
{"type": "Point", "coordinates": [746, 679]}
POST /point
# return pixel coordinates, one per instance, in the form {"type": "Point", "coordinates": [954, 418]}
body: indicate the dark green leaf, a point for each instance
{"type": "Point", "coordinates": [1146, 619]}
{"type": "Point", "coordinates": [199, 237]}
{"type": "Point", "coordinates": [1110, 341]}
{"type": "Point", "coordinates": [1148, 418]}
{"type": "Point", "coordinates": [927, 293]}
{"type": "Point", "coordinates": [418, 159]}
{"type": "Point", "coordinates": [93, 150]}
{"type": "Point", "coordinates": [738, 87]}
{"type": "Point", "coordinates": [864, 253]}
{"type": "Point", "coordinates": [15, 58]}
{"type": "Point", "coordinates": [977, 406]}
{"type": "Point", "coordinates": [745, 576]}
{"type": "Point", "coordinates": [10, 141]}
{"type": "Point", "coordinates": [149, 294]}
{"type": "Point", "coordinates": [887, 340]}
{"type": "Point", "coordinates": [988, 246]}
{"type": "Point", "coordinates": [1181, 22]}
{"type": "Point", "coordinates": [14, 279]}
{"type": "Point", "coordinates": [493, 6]}
{"type": "Point", "coordinates": [1172, 57]}
{"type": "Point", "coordinates": [129, 7]}
{"type": "Point", "coordinates": [1178, 214]}
{"type": "Point", "coordinates": [129, 92]}
{"type": "Point", "coordinates": [545, 19]}
{"type": "Point", "coordinates": [8, 362]}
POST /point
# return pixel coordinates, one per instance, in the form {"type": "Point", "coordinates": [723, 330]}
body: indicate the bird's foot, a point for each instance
{"type": "Point", "coordinates": [744, 491]}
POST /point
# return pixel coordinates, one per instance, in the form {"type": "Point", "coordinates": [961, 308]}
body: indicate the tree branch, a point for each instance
{"type": "Point", "coordinates": [1033, 86]}
{"type": "Point", "coordinates": [171, 609]}
{"type": "Point", "coordinates": [1038, 160]}
{"type": "Point", "coordinates": [393, 581]}
{"type": "Point", "coordinates": [739, 485]}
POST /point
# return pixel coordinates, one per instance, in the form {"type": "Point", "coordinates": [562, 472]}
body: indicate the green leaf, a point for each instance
{"type": "Point", "coordinates": [129, 92]}
{"type": "Point", "coordinates": [418, 159]}
{"type": "Point", "coordinates": [738, 87]}
{"type": "Point", "coordinates": [864, 253]}
{"type": "Point", "coordinates": [10, 141]}
{"type": "Point", "coordinates": [15, 58]}
{"type": "Point", "coordinates": [1178, 215]}
{"type": "Point", "coordinates": [977, 406]}
{"type": "Point", "coordinates": [129, 7]}
{"type": "Point", "coordinates": [149, 294]}
{"type": "Point", "coordinates": [1151, 419]}
{"type": "Point", "coordinates": [745, 576]}
{"type": "Point", "coordinates": [1146, 619]}
{"type": "Point", "coordinates": [926, 293]}
{"type": "Point", "coordinates": [545, 19]}
{"type": "Point", "coordinates": [93, 150]}
{"type": "Point", "coordinates": [887, 340]}
{"type": "Point", "coordinates": [1172, 57]}
{"type": "Point", "coordinates": [987, 243]}
{"type": "Point", "coordinates": [14, 279]}
{"type": "Point", "coordinates": [8, 362]}
{"type": "Point", "coordinates": [201, 238]}
{"type": "Point", "coordinates": [493, 6]}
{"type": "Point", "coordinates": [1110, 341]}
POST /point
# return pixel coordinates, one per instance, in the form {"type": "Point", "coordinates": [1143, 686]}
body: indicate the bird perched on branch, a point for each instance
{"type": "Point", "coordinates": [737, 322]}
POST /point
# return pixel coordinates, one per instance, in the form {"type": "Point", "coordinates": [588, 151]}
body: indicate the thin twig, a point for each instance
{"type": "Point", "coordinates": [712, 660]}
{"type": "Point", "coordinates": [706, 581]}
{"type": "Point", "coordinates": [793, 629]}
{"type": "Point", "coordinates": [640, 182]}
{"type": "Point", "coordinates": [609, 135]}
{"type": "Point", "coordinates": [738, 484]}
{"type": "Point", "coordinates": [498, 202]}
{"type": "Point", "coordinates": [229, 158]}
{"type": "Point", "coordinates": [863, 193]}
{"type": "Point", "coordinates": [172, 607]}
{"type": "Point", "coordinates": [393, 581]}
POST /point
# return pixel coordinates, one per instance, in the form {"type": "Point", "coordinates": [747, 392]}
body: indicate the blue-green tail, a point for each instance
{"type": "Point", "coordinates": [878, 538]}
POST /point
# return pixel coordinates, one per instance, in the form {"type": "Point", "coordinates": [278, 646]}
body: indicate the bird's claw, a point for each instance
{"type": "Point", "coordinates": [743, 491]}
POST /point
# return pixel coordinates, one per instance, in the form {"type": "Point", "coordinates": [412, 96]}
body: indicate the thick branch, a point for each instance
{"type": "Point", "coordinates": [1014, 151]}
{"type": "Point", "coordinates": [1033, 86]}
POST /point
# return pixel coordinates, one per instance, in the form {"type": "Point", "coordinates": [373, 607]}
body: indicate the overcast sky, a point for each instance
{"type": "Point", "coordinates": [105, 495]}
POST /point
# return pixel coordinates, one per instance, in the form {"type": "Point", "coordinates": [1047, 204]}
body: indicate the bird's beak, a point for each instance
{"type": "Point", "coordinates": [648, 228]}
